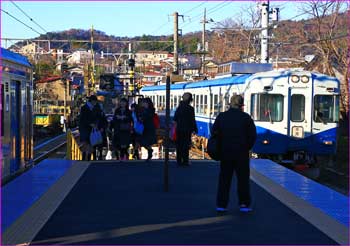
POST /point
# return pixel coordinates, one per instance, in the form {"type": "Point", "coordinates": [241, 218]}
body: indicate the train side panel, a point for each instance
{"type": "Point", "coordinates": [17, 99]}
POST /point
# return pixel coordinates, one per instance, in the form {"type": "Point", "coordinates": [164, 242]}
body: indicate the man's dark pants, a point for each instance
{"type": "Point", "coordinates": [183, 141]}
{"type": "Point", "coordinates": [241, 166]}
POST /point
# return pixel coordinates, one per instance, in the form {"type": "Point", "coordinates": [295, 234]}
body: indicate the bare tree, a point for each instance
{"type": "Point", "coordinates": [249, 20]}
{"type": "Point", "coordinates": [331, 42]}
{"type": "Point", "coordinates": [238, 33]}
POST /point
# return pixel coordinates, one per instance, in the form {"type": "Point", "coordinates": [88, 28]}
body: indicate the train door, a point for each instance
{"type": "Point", "coordinates": [300, 112]}
{"type": "Point", "coordinates": [15, 125]}
{"type": "Point", "coordinates": [28, 144]}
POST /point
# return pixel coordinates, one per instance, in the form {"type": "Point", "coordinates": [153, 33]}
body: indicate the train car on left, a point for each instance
{"type": "Point", "coordinates": [16, 113]}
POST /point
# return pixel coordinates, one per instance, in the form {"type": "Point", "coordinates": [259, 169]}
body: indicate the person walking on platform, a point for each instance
{"type": "Point", "coordinates": [121, 125]}
{"type": "Point", "coordinates": [185, 125]}
{"type": "Point", "coordinates": [87, 121]}
{"type": "Point", "coordinates": [135, 137]}
{"type": "Point", "coordinates": [236, 135]}
{"type": "Point", "coordinates": [102, 125]}
{"type": "Point", "coordinates": [148, 137]}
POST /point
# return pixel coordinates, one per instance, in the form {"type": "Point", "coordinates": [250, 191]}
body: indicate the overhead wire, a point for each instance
{"type": "Point", "coordinates": [186, 12]}
{"type": "Point", "coordinates": [195, 7]}
{"type": "Point", "coordinates": [30, 18]}
{"type": "Point", "coordinates": [317, 41]}
{"type": "Point", "coordinates": [21, 22]}
{"type": "Point", "coordinates": [210, 11]}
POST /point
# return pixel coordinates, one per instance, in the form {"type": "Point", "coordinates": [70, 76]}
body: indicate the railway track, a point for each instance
{"type": "Point", "coordinates": [53, 147]}
{"type": "Point", "coordinates": [46, 148]}
{"type": "Point", "coordinates": [49, 147]}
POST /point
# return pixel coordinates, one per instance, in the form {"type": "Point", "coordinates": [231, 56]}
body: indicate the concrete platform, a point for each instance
{"type": "Point", "coordinates": [124, 203]}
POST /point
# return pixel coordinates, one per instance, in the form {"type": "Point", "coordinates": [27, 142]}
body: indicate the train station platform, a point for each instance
{"type": "Point", "coordinates": [112, 202]}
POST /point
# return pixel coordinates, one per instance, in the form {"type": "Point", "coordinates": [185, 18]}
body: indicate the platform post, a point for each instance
{"type": "Point", "coordinates": [69, 145]}
{"type": "Point", "coordinates": [167, 126]}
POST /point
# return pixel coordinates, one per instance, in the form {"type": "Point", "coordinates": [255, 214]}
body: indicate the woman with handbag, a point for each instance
{"type": "Point", "coordinates": [149, 133]}
{"type": "Point", "coordinates": [121, 125]}
{"type": "Point", "coordinates": [137, 130]}
{"type": "Point", "coordinates": [102, 125]}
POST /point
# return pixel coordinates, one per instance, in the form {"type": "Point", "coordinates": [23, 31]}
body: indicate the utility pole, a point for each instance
{"type": "Point", "coordinates": [65, 74]}
{"type": "Point", "coordinates": [92, 76]}
{"type": "Point", "coordinates": [176, 44]}
{"type": "Point", "coordinates": [264, 32]}
{"type": "Point", "coordinates": [131, 63]}
{"type": "Point", "coordinates": [204, 21]}
{"type": "Point", "coordinates": [130, 51]}
{"type": "Point", "coordinates": [176, 41]}
{"type": "Point", "coordinates": [204, 49]}
{"type": "Point", "coordinates": [167, 129]}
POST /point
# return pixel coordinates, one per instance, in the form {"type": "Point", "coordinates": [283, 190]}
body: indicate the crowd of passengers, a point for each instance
{"type": "Point", "coordinates": [119, 133]}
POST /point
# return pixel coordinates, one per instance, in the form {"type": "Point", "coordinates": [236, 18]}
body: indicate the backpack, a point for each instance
{"type": "Point", "coordinates": [156, 121]}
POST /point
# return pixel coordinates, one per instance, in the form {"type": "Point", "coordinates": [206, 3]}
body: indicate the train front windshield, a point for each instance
{"type": "Point", "coordinates": [326, 108]}
{"type": "Point", "coordinates": [267, 107]}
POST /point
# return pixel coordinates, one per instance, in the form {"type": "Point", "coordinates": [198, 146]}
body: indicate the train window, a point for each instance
{"type": "Point", "coordinates": [216, 105]}
{"type": "Point", "coordinates": [298, 108]}
{"type": "Point", "coordinates": [267, 107]}
{"type": "Point", "coordinates": [227, 102]}
{"type": "Point", "coordinates": [161, 102]}
{"type": "Point", "coordinates": [205, 104]}
{"type": "Point", "coordinates": [221, 103]}
{"type": "Point", "coordinates": [201, 105]}
{"type": "Point", "coordinates": [326, 108]}
{"type": "Point", "coordinates": [197, 103]}
{"type": "Point", "coordinates": [171, 101]}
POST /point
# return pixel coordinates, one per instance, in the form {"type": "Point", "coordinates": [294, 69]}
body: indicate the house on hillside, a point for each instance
{"type": "Point", "coordinates": [152, 78]}
{"type": "Point", "coordinates": [150, 58]}
{"type": "Point", "coordinates": [211, 68]}
{"type": "Point", "coordinates": [50, 91]}
{"type": "Point", "coordinates": [80, 57]}
{"type": "Point", "coordinates": [30, 50]}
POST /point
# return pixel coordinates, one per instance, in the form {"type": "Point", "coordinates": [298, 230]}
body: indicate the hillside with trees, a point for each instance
{"type": "Point", "coordinates": [323, 35]}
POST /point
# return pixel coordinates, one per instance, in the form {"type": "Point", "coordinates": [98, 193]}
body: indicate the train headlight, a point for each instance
{"type": "Point", "coordinates": [265, 141]}
{"type": "Point", "coordinates": [295, 78]}
{"type": "Point", "coordinates": [305, 79]}
{"type": "Point", "coordinates": [298, 131]}
{"type": "Point", "coordinates": [328, 142]}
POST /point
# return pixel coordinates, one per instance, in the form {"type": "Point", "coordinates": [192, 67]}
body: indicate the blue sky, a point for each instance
{"type": "Point", "coordinates": [122, 18]}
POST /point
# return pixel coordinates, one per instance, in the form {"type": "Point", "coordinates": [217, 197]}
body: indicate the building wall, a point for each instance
{"type": "Point", "coordinates": [150, 58]}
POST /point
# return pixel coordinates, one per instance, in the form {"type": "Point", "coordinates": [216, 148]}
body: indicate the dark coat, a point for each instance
{"type": "Point", "coordinates": [185, 119]}
{"type": "Point", "coordinates": [148, 137]}
{"type": "Point", "coordinates": [237, 133]}
{"type": "Point", "coordinates": [87, 117]}
{"type": "Point", "coordinates": [102, 122]}
{"type": "Point", "coordinates": [122, 128]}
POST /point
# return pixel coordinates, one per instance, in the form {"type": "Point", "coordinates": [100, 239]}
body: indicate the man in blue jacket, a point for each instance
{"type": "Point", "coordinates": [236, 136]}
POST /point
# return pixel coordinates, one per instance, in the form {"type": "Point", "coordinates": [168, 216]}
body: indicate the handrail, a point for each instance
{"type": "Point", "coordinates": [73, 149]}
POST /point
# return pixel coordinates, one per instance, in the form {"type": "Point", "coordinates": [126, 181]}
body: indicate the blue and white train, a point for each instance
{"type": "Point", "coordinates": [16, 113]}
{"type": "Point", "coordinates": [296, 112]}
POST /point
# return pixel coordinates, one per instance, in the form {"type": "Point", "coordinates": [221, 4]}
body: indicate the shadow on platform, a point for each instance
{"type": "Point", "coordinates": [124, 203]}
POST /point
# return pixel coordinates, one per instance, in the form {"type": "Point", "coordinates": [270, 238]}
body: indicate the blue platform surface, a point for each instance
{"type": "Point", "coordinates": [329, 201]}
{"type": "Point", "coordinates": [21, 193]}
